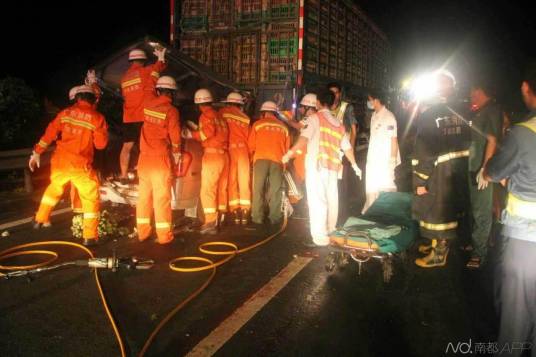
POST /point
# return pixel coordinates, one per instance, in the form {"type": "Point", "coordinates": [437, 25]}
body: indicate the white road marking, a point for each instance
{"type": "Point", "coordinates": [229, 327]}
{"type": "Point", "coordinates": [28, 220]}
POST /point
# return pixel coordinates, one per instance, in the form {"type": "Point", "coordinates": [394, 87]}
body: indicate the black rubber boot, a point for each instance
{"type": "Point", "coordinates": [437, 257]}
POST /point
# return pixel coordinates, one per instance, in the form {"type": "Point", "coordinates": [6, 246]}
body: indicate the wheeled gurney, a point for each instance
{"type": "Point", "coordinates": [385, 232]}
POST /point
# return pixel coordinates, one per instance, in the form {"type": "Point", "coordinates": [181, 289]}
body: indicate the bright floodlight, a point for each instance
{"type": "Point", "coordinates": [424, 86]}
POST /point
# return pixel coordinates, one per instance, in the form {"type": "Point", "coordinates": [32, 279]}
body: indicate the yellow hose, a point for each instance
{"type": "Point", "coordinates": [16, 251]}
{"type": "Point", "coordinates": [210, 264]}
{"type": "Point", "coordinates": [229, 254]}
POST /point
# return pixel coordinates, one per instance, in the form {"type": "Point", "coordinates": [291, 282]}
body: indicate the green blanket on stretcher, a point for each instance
{"type": "Point", "coordinates": [387, 222]}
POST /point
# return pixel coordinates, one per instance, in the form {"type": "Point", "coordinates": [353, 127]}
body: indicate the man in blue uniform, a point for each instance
{"type": "Point", "coordinates": [516, 162]}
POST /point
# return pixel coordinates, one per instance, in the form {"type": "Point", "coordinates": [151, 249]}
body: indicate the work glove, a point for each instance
{"type": "Point", "coordinates": [160, 53]}
{"type": "Point", "coordinates": [35, 160]}
{"type": "Point", "coordinates": [357, 170]}
{"type": "Point", "coordinates": [176, 157]}
{"type": "Point", "coordinates": [481, 181]}
{"type": "Point", "coordinates": [286, 158]}
{"type": "Point", "coordinates": [186, 133]}
{"type": "Point", "coordinates": [192, 125]}
{"type": "Point", "coordinates": [91, 77]}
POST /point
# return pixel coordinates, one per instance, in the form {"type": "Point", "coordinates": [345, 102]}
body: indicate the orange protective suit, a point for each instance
{"type": "Point", "coordinates": [81, 128]}
{"type": "Point", "coordinates": [159, 134]}
{"type": "Point", "coordinates": [76, 203]}
{"type": "Point", "coordinates": [273, 142]}
{"type": "Point", "coordinates": [239, 163]}
{"type": "Point", "coordinates": [299, 167]}
{"type": "Point", "coordinates": [138, 86]}
{"type": "Point", "coordinates": [214, 136]}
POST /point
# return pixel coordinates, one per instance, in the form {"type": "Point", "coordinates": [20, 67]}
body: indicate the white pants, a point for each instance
{"type": "Point", "coordinates": [323, 201]}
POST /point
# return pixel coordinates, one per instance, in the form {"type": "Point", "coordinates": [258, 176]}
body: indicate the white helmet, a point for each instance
{"type": "Point", "coordinates": [203, 96]}
{"type": "Point", "coordinates": [84, 89]}
{"type": "Point", "coordinates": [309, 100]}
{"type": "Point", "coordinates": [166, 82]}
{"type": "Point", "coordinates": [446, 73]}
{"type": "Point", "coordinates": [73, 92]}
{"type": "Point", "coordinates": [269, 106]}
{"type": "Point", "coordinates": [137, 54]}
{"type": "Point", "coordinates": [235, 98]}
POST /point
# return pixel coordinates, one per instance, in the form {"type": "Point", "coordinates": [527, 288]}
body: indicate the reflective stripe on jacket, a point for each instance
{"type": "Point", "coordinates": [82, 128]}
{"type": "Point", "coordinates": [137, 84]}
{"type": "Point", "coordinates": [330, 138]}
{"type": "Point", "coordinates": [161, 130]}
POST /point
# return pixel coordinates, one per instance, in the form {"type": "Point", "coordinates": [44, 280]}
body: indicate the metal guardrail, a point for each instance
{"type": "Point", "coordinates": [18, 160]}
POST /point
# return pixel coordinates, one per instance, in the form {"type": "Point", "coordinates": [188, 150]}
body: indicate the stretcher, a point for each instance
{"type": "Point", "coordinates": [384, 233]}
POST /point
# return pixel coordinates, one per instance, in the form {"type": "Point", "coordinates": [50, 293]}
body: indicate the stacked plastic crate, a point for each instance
{"type": "Point", "coordinates": [256, 42]}
{"type": "Point", "coordinates": [312, 36]}
{"type": "Point", "coordinates": [193, 25]}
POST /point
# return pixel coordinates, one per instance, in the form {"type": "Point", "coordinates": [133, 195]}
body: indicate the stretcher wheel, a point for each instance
{"type": "Point", "coordinates": [387, 268]}
{"type": "Point", "coordinates": [331, 262]}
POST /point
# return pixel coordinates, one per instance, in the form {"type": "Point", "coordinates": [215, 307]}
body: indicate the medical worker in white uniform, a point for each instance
{"type": "Point", "coordinates": [383, 153]}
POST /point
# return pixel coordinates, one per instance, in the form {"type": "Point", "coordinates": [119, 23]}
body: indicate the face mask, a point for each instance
{"type": "Point", "coordinates": [370, 105]}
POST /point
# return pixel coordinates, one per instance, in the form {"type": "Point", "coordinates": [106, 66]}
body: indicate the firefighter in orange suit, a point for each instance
{"type": "Point", "coordinates": [213, 134]}
{"type": "Point", "coordinates": [137, 86]}
{"type": "Point", "coordinates": [159, 134]}
{"type": "Point", "coordinates": [82, 128]}
{"type": "Point", "coordinates": [91, 80]}
{"type": "Point", "coordinates": [239, 169]}
{"type": "Point", "coordinates": [268, 141]}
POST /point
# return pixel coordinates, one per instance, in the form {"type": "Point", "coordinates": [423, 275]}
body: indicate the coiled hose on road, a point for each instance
{"type": "Point", "coordinates": [17, 251]}
{"type": "Point", "coordinates": [229, 254]}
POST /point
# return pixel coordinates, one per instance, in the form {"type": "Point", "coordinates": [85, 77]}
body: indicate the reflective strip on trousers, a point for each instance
{"type": "Point", "coordinates": [143, 220]}
{"type": "Point", "coordinates": [520, 208]}
{"type": "Point", "coordinates": [91, 215]}
{"type": "Point", "coordinates": [451, 156]}
{"type": "Point", "coordinates": [245, 202]}
{"type": "Point", "coordinates": [423, 176]}
{"type": "Point", "coordinates": [49, 201]}
{"type": "Point", "coordinates": [162, 225]}
{"type": "Point", "coordinates": [438, 227]}
{"type": "Point", "coordinates": [209, 210]}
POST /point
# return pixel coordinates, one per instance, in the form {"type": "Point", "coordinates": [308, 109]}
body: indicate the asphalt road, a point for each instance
{"type": "Point", "coordinates": [315, 313]}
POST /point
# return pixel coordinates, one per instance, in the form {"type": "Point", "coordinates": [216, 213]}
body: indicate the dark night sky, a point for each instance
{"type": "Point", "coordinates": [51, 42]}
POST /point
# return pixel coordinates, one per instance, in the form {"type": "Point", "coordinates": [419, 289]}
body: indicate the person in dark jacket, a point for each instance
{"type": "Point", "coordinates": [439, 163]}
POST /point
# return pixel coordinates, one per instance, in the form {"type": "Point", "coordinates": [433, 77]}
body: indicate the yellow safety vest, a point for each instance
{"type": "Point", "coordinates": [516, 206]}
{"type": "Point", "coordinates": [340, 113]}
